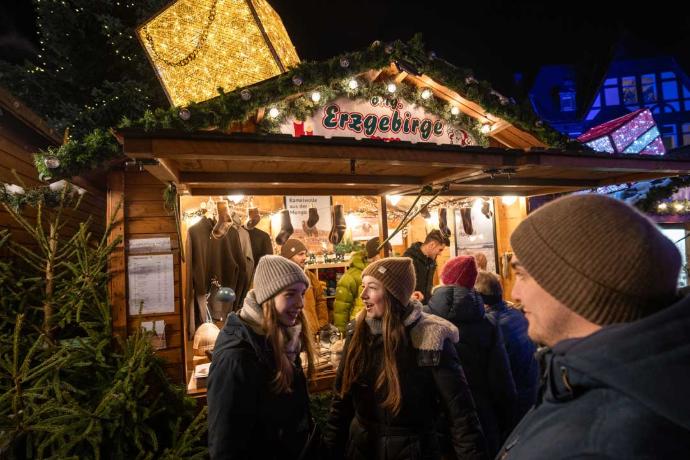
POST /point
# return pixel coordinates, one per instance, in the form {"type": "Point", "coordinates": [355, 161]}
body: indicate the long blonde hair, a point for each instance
{"type": "Point", "coordinates": [275, 334]}
{"type": "Point", "coordinates": [394, 336]}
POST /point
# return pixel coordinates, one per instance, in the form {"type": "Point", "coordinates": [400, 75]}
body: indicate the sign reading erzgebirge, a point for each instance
{"type": "Point", "coordinates": [378, 118]}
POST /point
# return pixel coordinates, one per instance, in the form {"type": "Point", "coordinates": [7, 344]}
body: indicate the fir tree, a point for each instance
{"type": "Point", "coordinates": [91, 70]}
{"type": "Point", "coordinates": [68, 389]}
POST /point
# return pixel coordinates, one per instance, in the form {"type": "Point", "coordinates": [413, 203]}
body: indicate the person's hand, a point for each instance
{"type": "Point", "coordinates": [417, 295]}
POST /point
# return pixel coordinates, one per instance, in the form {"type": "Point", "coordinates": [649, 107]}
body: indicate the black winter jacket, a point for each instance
{"type": "Point", "coordinates": [432, 384]}
{"type": "Point", "coordinates": [484, 359]}
{"type": "Point", "coordinates": [424, 269]}
{"type": "Point", "coordinates": [521, 350]}
{"type": "Point", "coordinates": [620, 393]}
{"type": "Point", "coordinates": [246, 419]}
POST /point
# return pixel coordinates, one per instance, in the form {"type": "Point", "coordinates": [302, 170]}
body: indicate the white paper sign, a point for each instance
{"type": "Point", "coordinates": [144, 245]}
{"type": "Point", "coordinates": [151, 284]}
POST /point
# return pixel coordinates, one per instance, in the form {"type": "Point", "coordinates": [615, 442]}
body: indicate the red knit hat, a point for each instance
{"type": "Point", "coordinates": [460, 271]}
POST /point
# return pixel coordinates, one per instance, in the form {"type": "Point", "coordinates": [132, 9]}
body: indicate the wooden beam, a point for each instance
{"type": "Point", "coordinates": [117, 267]}
{"type": "Point", "coordinates": [612, 163]}
{"type": "Point", "coordinates": [197, 178]}
{"type": "Point", "coordinates": [280, 191]}
{"type": "Point", "coordinates": [383, 224]}
{"type": "Point", "coordinates": [532, 182]}
{"type": "Point", "coordinates": [317, 150]}
{"type": "Point", "coordinates": [401, 77]}
{"type": "Point", "coordinates": [165, 171]}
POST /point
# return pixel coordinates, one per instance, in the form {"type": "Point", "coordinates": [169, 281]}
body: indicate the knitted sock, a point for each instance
{"type": "Point", "coordinates": [285, 227]}
{"type": "Point", "coordinates": [466, 216]}
{"type": "Point", "coordinates": [443, 222]}
{"type": "Point", "coordinates": [313, 217]}
{"type": "Point", "coordinates": [253, 218]}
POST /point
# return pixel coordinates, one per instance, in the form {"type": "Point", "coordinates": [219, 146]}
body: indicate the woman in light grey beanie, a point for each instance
{"type": "Point", "coordinates": [257, 392]}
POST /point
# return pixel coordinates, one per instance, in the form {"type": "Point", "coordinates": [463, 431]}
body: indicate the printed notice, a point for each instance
{"type": "Point", "coordinates": [151, 284]}
{"type": "Point", "coordinates": [148, 245]}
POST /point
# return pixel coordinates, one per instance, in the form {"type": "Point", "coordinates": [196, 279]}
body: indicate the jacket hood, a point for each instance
{"type": "Point", "coordinates": [358, 260]}
{"type": "Point", "coordinates": [457, 304]}
{"type": "Point", "coordinates": [647, 360]}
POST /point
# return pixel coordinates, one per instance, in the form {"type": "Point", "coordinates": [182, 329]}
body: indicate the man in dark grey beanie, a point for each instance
{"type": "Point", "coordinates": [597, 281]}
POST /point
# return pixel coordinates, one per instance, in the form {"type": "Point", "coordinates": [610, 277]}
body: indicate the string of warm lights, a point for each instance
{"type": "Point", "coordinates": [675, 207]}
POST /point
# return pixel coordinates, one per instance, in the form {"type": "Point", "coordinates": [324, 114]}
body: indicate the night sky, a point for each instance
{"type": "Point", "coordinates": [495, 38]}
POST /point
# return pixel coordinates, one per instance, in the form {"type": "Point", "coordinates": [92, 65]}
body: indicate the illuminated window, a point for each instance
{"type": "Point", "coordinates": [686, 133]}
{"type": "Point", "coordinates": [567, 101]}
{"type": "Point", "coordinates": [629, 89]}
{"type": "Point", "coordinates": [611, 92]}
{"type": "Point", "coordinates": [668, 136]}
{"type": "Point", "coordinates": [649, 88]}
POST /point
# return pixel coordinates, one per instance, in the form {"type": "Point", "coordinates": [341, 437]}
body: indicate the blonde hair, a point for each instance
{"type": "Point", "coordinates": [275, 334]}
{"type": "Point", "coordinates": [394, 336]}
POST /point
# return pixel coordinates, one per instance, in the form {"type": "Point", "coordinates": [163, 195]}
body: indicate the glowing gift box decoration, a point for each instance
{"type": "Point", "coordinates": [635, 132]}
{"type": "Point", "coordinates": [197, 46]}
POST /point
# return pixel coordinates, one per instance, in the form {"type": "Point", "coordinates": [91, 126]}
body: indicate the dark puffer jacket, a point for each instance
{"type": "Point", "coordinates": [246, 419]}
{"type": "Point", "coordinates": [484, 359]}
{"type": "Point", "coordinates": [620, 393]}
{"type": "Point", "coordinates": [424, 269]}
{"type": "Point", "coordinates": [432, 384]}
{"type": "Point", "coordinates": [521, 350]}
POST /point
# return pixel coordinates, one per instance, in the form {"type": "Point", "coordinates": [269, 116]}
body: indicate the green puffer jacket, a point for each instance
{"type": "Point", "coordinates": [347, 296]}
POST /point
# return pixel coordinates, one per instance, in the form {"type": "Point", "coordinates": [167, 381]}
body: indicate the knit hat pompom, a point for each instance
{"type": "Point", "coordinates": [397, 276]}
{"type": "Point", "coordinates": [460, 271]}
{"type": "Point", "coordinates": [292, 247]}
{"type": "Point", "coordinates": [599, 257]}
{"type": "Point", "coordinates": [275, 273]}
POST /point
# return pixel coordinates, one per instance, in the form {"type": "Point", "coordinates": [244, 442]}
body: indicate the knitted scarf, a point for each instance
{"type": "Point", "coordinates": [252, 313]}
{"type": "Point", "coordinates": [427, 334]}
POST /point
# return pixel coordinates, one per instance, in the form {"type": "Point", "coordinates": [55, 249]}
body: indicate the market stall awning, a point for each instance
{"type": "Point", "coordinates": [210, 163]}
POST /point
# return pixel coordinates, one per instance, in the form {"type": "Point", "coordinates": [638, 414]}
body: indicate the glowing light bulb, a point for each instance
{"type": "Point", "coordinates": [662, 206]}
{"type": "Point", "coordinates": [235, 198]}
{"type": "Point", "coordinates": [353, 84]}
{"type": "Point", "coordinates": [486, 128]}
{"type": "Point", "coordinates": [274, 112]}
{"type": "Point", "coordinates": [508, 200]}
{"type": "Point", "coordinates": [392, 88]}
{"type": "Point", "coordinates": [394, 199]}
{"type": "Point", "coordinates": [454, 110]}
{"type": "Point", "coordinates": [426, 94]}
{"type": "Point", "coordinates": [316, 96]}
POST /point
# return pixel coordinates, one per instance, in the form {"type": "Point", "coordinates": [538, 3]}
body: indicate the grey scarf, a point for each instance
{"type": "Point", "coordinates": [252, 313]}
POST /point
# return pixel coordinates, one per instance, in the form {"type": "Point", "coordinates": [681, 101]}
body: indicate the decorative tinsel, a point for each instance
{"type": "Point", "coordinates": [656, 196]}
{"type": "Point", "coordinates": [330, 77]}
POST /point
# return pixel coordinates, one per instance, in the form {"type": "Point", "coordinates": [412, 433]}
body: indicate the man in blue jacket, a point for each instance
{"type": "Point", "coordinates": [597, 281]}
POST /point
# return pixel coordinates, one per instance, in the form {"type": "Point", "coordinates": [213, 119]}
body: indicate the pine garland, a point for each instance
{"type": "Point", "coordinates": [329, 77]}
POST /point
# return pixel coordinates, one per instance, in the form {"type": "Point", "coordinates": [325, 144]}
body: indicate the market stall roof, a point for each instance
{"type": "Point", "coordinates": [213, 163]}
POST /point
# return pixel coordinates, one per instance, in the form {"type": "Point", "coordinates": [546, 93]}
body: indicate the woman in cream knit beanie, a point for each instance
{"type": "Point", "coordinates": [256, 369]}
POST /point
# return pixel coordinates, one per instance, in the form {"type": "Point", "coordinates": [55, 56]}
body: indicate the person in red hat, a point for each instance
{"type": "Point", "coordinates": [481, 349]}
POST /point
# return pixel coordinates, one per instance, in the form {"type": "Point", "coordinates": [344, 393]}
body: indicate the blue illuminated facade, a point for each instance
{"type": "Point", "coordinates": [629, 84]}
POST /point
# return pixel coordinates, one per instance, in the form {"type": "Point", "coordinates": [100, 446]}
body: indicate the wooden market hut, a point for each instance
{"type": "Point", "coordinates": [242, 160]}
{"type": "Point", "coordinates": [22, 133]}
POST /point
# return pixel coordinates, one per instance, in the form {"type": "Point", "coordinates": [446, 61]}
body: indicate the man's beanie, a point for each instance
{"type": "Point", "coordinates": [275, 273]}
{"type": "Point", "coordinates": [599, 257]}
{"type": "Point", "coordinates": [396, 274]}
{"type": "Point", "coordinates": [460, 271]}
{"type": "Point", "coordinates": [372, 246]}
{"type": "Point", "coordinates": [292, 247]}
